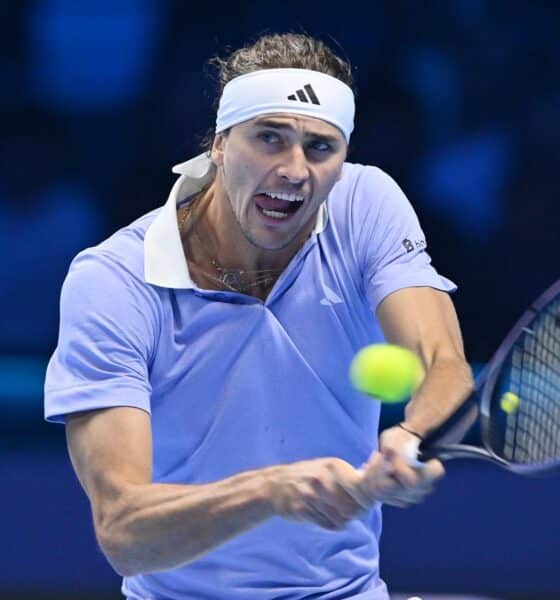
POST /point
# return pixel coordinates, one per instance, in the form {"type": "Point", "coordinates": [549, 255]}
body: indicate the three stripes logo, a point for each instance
{"type": "Point", "coordinates": [302, 96]}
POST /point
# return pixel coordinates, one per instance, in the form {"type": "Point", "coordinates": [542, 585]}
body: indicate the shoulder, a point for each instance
{"type": "Point", "coordinates": [113, 270]}
{"type": "Point", "coordinates": [366, 193]}
{"type": "Point", "coordinates": [123, 251]}
{"type": "Point", "coordinates": [359, 179]}
{"type": "Point", "coordinates": [366, 187]}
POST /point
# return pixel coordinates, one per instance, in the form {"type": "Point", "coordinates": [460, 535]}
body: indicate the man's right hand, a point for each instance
{"type": "Point", "coordinates": [330, 492]}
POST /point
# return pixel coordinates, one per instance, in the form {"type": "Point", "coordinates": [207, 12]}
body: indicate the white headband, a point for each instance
{"type": "Point", "coordinates": [294, 91]}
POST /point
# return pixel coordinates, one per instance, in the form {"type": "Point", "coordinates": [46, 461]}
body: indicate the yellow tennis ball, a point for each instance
{"type": "Point", "coordinates": [389, 373]}
{"type": "Point", "coordinates": [510, 402]}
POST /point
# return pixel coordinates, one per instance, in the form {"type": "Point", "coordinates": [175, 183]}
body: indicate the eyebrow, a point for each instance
{"type": "Point", "coordinates": [273, 124]}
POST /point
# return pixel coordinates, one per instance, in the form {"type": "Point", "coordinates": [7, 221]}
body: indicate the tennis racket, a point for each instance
{"type": "Point", "coordinates": [527, 364]}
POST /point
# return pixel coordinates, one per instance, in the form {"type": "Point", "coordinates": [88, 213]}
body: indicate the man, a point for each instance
{"type": "Point", "coordinates": [202, 363]}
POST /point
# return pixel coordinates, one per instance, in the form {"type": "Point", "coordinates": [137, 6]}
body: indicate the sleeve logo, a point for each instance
{"type": "Point", "coordinates": [410, 245]}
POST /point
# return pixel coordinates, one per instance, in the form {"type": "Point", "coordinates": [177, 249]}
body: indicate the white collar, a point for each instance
{"type": "Point", "coordinates": [164, 259]}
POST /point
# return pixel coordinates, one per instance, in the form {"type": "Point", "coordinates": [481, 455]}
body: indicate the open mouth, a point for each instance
{"type": "Point", "coordinates": [278, 206]}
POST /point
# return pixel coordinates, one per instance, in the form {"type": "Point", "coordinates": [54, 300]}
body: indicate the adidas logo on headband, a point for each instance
{"type": "Point", "coordinates": [303, 97]}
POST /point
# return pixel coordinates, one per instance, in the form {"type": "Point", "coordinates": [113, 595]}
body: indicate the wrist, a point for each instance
{"type": "Point", "coordinates": [410, 429]}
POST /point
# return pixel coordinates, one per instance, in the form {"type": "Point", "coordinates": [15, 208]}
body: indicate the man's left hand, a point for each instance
{"type": "Point", "coordinates": [411, 484]}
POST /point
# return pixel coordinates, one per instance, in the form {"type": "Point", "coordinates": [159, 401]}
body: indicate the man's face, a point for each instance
{"type": "Point", "coordinates": [276, 170]}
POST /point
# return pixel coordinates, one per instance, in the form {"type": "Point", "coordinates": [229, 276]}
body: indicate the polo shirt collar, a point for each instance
{"type": "Point", "coordinates": [164, 259]}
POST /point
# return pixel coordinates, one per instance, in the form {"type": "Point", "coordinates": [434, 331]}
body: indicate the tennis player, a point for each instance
{"type": "Point", "coordinates": [201, 367]}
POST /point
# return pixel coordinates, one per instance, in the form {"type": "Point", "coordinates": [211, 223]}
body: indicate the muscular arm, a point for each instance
{"type": "Point", "coordinates": [143, 526]}
{"type": "Point", "coordinates": [424, 320]}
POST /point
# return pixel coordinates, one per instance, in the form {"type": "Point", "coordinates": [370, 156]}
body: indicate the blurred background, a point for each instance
{"type": "Point", "coordinates": [457, 99]}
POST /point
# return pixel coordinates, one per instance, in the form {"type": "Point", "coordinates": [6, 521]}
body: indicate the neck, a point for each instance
{"type": "Point", "coordinates": [227, 244]}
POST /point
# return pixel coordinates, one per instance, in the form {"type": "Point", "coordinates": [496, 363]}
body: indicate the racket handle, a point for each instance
{"type": "Point", "coordinates": [412, 456]}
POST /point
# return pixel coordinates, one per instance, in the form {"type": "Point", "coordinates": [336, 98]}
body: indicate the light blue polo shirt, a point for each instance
{"type": "Point", "coordinates": [233, 383]}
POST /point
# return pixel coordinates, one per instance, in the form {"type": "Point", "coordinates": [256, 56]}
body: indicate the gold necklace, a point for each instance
{"type": "Point", "coordinates": [235, 280]}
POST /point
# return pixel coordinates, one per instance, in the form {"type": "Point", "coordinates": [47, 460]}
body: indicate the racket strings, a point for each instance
{"type": "Point", "coordinates": [541, 376]}
{"type": "Point", "coordinates": [532, 433]}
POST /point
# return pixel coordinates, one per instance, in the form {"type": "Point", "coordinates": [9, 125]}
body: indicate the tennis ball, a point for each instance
{"type": "Point", "coordinates": [389, 373]}
{"type": "Point", "coordinates": [510, 402]}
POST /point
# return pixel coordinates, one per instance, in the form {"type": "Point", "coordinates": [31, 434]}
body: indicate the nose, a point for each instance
{"type": "Point", "coordinates": [294, 166]}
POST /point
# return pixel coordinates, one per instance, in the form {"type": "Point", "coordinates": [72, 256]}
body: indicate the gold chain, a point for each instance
{"type": "Point", "coordinates": [234, 280]}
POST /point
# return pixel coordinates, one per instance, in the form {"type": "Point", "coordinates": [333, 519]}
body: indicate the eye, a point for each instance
{"type": "Point", "coordinates": [320, 146]}
{"type": "Point", "coordinates": [269, 137]}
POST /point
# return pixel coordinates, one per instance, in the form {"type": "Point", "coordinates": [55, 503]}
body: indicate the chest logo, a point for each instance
{"type": "Point", "coordinates": [330, 297]}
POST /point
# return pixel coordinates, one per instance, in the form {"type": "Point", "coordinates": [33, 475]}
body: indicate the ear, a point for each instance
{"type": "Point", "coordinates": [218, 148]}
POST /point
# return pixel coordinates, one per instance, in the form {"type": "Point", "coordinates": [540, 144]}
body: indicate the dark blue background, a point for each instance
{"type": "Point", "coordinates": [458, 100]}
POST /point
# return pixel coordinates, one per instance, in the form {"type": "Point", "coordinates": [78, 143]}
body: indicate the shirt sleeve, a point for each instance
{"type": "Point", "coordinates": [391, 245]}
{"type": "Point", "coordinates": [106, 340]}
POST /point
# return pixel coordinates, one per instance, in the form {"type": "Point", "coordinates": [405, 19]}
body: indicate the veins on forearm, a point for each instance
{"type": "Point", "coordinates": [152, 527]}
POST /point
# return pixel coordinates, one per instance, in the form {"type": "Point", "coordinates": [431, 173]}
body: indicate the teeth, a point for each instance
{"type": "Point", "coordinates": [274, 214]}
{"type": "Point", "coordinates": [289, 197]}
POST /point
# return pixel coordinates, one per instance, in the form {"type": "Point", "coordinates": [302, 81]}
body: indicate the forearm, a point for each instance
{"type": "Point", "coordinates": [424, 320]}
{"type": "Point", "coordinates": [447, 384]}
{"type": "Point", "coordinates": [155, 527]}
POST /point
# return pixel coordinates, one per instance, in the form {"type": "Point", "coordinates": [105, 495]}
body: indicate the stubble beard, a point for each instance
{"type": "Point", "coordinates": [247, 235]}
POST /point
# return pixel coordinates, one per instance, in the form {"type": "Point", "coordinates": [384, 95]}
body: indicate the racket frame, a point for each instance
{"type": "Point", "coordinates": [484, 388]}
